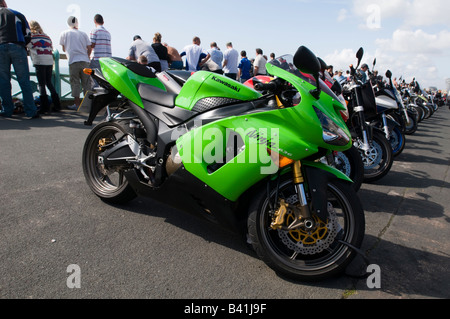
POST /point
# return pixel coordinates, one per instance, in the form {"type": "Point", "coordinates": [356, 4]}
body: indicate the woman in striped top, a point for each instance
{"type": "Point", "coordinates": [41, 52]}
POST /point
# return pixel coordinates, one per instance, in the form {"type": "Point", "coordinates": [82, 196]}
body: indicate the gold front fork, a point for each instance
{"type": "Point", "coordinates": [299, 181]}
{"type": "Point", "coordinates": [297, 172]}
{"type": "Point", "coordinates": [302, 212]}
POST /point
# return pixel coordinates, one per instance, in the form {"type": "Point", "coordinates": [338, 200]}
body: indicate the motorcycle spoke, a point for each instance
{"type": "Point", "coordinates": [294, 256]}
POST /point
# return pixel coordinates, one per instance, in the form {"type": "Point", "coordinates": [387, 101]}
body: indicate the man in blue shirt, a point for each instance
{"type": "Point", "coordinates": [14, 36]}
{"type": "Point", "coordinates": [213, 60]}
{"type": "Point", "coordinates": [244, 67]}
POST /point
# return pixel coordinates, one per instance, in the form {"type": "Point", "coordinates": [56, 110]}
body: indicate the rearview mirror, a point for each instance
{"type": "Point", "coordinates": [360, 54]}
{"type": "Point", "coordinates": [306, 61]}
{"type": "Point", "coordinates": [323, 65]}
{"type": "Point", "coordinates": [389, 74]}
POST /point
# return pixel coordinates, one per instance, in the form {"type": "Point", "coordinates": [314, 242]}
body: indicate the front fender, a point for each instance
{"type": "Point", "coordinates": [337, 173]}
{"type": "Point", "coordinates": [392, 122]}
{"type": "Point", "coordinates": [98, 102]}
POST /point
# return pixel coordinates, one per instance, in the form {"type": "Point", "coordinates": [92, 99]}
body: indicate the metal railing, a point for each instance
{"type": "Point", "coordinates": [58, 78]}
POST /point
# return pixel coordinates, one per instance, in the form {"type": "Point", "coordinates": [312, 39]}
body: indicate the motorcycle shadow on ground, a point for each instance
{"type": "Point", "coordinates": [414, 179]}
{"type": "Point", "coordinates": [419, 145]}
{"type": "Point", "coordinates": [419, 205]}
{"type": "Point", "coordinates": [405, 272]}
{"type": "Point", "coordinates": [419, 276]}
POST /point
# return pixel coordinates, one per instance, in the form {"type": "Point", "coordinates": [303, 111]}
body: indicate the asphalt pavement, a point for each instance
{"type": "Point", "coordinates": [59, 241]}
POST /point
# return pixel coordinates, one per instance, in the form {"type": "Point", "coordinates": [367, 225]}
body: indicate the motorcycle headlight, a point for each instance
{"type": "Point", "coordinates": [332, 133]}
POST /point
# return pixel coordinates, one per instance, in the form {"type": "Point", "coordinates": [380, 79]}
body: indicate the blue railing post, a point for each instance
{"type": "Point", "coordinates": [57, 74]}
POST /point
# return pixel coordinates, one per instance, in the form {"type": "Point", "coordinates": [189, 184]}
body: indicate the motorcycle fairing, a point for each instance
{"type": "Point", "coordinates": [386, 103]}
{"type": "Point", "coordinates": [125, 76]}
{"type": "Point", "coordinates": [294, 141]}
{"type": "Point", "coordinates": [205, 91]}
{"type": "Point", "coordinates": [184, 191]}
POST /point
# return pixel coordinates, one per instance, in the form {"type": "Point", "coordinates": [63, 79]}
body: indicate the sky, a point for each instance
{"type": "Point", "coordinates": [409, 37]}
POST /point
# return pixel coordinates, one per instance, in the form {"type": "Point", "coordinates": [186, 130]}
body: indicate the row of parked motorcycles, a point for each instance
{"type": "Point", "coordinates": [380, 116]}
{"type": "Point", "coordinates": [278, 160]}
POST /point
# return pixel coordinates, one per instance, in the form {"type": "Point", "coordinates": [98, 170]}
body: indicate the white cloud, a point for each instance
{"type": "Point", "coordinates": [416, 42]}
{"type": "Point", "coordinates": [412, 38]}
{"type": "Point", "coordinates": [342, 16]}
{"type": "Point", "coordinates": [402, 64]}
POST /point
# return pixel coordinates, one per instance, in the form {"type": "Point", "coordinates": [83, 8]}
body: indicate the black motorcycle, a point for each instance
{"type": "Point", "coordinates": [375, 149]}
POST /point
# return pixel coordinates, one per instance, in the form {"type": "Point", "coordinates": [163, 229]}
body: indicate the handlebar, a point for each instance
{"type": "Point", "coordinates": [271, 86]}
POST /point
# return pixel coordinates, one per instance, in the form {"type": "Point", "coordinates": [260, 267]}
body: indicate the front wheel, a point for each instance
{"type": "Point", "coordinates": [350, 163]}
{"type": "Point", "coordinates": [378, 159]}
{"type": "Point", "coordinates": [398, 141]}
{"type": "Point", "coordinates": [308, 255]}
{"type": "Point", "coordinates": [412, 125]}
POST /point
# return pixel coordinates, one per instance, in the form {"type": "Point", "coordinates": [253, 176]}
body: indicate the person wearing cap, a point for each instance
{"type": "Point", "coordinates": [362, 75]}
{"type": "Point", "coordinates": [15, 34]}
{"type": "Point", "coordinates": [340, 77]}
{"type": "Point", "coordinates": [77, 45]}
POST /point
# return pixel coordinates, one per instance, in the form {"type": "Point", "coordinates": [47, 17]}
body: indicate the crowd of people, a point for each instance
{"type": "Point", "coordinates": [85, 51]}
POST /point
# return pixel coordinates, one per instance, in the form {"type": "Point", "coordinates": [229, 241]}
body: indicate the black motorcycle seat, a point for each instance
{"type": "Point", "coordinates": [180, 76]}
{"type": "Point", "coordinates": [156, 95]}
{"type": "Point", "coordinates": [137, 68]}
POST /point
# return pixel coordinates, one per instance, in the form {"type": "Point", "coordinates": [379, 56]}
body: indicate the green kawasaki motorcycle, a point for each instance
{"type": "Point", "coordinates": [247, 160]}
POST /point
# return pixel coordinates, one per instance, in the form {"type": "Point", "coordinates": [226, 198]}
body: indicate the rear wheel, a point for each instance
{"type": "Point", "coordinates": [108, 183]}
{"type": "Point", "coordinates": [308, 255]}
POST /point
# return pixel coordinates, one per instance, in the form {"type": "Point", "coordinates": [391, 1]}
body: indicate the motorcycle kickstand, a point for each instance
{"type": "Point", "coordinates": [361, 253]}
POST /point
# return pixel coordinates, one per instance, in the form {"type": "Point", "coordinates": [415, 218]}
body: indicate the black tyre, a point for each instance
{"type": "Point", "coordinates": [350, 163]}
{"type": "Point", "coordinates": [398, 141]}
{"type": "Point", "coordinates": [427, 111]}
{"type": "Point", "coordinates": [421, 113]}
{"type": "Point", "coordinates": [109, 184]}
{"type": "Point", "coordinates": [412, 125]}
{"type": "Point", "coordinates": [303, 255]}
{"type": "Point", "coordinates": [378, 159]}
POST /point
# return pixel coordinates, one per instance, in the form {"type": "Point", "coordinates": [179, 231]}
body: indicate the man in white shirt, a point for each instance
{"type": "Point", "coordinates": [78, 48]}
{"type": "Point", "coordinates": [194, 54]}
{"type": "Point", "coordinates": [214, 59]}
{"type": "Point", "coordinates": [260, 63]}
{"type": "Point", "coordinates": [230, 62]}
